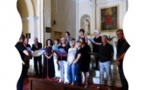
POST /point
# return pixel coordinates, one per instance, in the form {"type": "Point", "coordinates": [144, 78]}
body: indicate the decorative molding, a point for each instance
{"type": "Point", "coordinates": [111, 1]}
{"type": "Point", "coordinates": [30, 19]}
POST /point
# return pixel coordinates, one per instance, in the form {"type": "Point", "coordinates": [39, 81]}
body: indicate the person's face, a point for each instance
{"type": "Point", "coordinates": [81, 33]}
{"type": "Point", "coordinates": [48, 42]}
{"type": "Point", "coordinates": [56, 42]}
{"type": "Point", "coordinates": [26, 41]}
{"type": "Point", "coordinates": [104, 40]}
{"type": "Point", "coordinates": [35, 40]}
{"type": "Point", "coordinates": [72, 44]}
{"type": "Point", "coordinates": [63, 41]}
{"type": "Point", "coordinates": [66, 35]}
{"type": "Point", "coordinates": [120, 35]}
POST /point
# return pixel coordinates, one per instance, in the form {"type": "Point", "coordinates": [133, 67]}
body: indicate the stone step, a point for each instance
{"type": "Point", "coordinates": [96, 80]}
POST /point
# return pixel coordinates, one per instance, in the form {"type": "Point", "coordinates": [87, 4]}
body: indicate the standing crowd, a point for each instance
{"type": "Point", "coordinates": [76, 61]}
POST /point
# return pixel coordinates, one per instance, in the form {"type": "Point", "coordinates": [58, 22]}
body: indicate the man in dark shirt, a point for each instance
{"type": "Point", "coordinates": [105, 56]}
{"type": "Point", "coordinates": [23, 53]}
{"type": "Point", "coordinates": [122, 47]}
{"type": "Point", "coordinates": [37, 46]}
{"type": "Point", "coordinates": [28, 47]}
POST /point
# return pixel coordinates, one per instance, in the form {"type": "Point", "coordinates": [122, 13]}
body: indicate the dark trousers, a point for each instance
{"type": "Point", "coordinates": [78, 75]}
{"type": "Point", "coordinates": [22, 77]}
{"type": "Point", "coordinates": [38, 60]}
{"type": "Point", "coordinates": [97, 63]}
{"type": "Point", "coordinates": [122, 77]}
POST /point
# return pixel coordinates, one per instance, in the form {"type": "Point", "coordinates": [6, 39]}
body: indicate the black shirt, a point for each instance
{"type": "Point", "coordinates": [66, 49]}
{"type": "Point", "coordinates": [96, 47]}
{"type": "Point", "coordinates": [119, 45]}
{"type": "Point", "coordinates": [124, 48]}
{"type": "Point", "coordinates": [20, 47]}
{"type": "Point", "coordinates": [28, 45]}
{"type": "Point", "coordinates": [105, 52]}
{"type": "Point", "coordinates": [79, 52]}
{"type": "Point", "coordinates": [35, 48]}
{"type": "Point", "coordinates": [85, 50]}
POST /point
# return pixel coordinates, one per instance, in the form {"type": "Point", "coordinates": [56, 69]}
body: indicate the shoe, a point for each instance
{"type": "Point", "coordinates": [86, 86]}
{"type": "Point", "coordinates": [60, 82]}
{"type": "Point", "coordinates": [66, 83]}
{"type": "Point", "coordinates": [79, 84]}
{"type": "Point", "coordinates": [72, 84]}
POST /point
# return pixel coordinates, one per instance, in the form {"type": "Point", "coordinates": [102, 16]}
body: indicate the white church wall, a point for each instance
{"type": "Point", "coordinates": [64, 13]}
{"type": "Point", "coordinates": [47, 19]}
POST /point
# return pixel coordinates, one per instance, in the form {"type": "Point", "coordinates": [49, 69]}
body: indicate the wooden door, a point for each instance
{"type": "Point", "coordinates": [57, 35]}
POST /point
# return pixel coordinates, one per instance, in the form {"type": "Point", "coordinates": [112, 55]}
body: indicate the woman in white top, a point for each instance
{"type": "Point", "coordinates": [70, 59]}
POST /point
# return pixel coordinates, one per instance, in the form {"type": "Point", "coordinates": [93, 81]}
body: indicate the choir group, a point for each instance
{"type": "Point", "coordinates": [74, 59]}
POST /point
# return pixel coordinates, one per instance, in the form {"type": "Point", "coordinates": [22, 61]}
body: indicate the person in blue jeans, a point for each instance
{"type": "Point", "coordinates": [77, 63]}
{"type": "Point", "coordinates": [70, 59]}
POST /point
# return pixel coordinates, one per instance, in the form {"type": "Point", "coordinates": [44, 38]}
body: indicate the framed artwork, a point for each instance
{"type": "Point", "coordinates": [109, 18]}
{"type": "Point", "coordinates": [48, 29]}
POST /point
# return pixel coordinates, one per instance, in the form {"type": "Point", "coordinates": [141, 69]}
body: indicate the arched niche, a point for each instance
{"type": "Point", "coordinates": [85, 23]}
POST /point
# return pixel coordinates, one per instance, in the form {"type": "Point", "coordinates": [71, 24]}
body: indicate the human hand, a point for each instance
{"type": "Point", "coordinates": [117, 62]}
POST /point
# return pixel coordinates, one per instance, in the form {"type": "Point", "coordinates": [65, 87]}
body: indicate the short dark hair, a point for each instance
{"type": "Point", "coordinates": [82, 30]}
{"type": "Point", "coordinates": [22, 37]}
{"type": "Point", "coordinates": [105, 36]}
{"type": "Point", "coordinates": [67, 33]}
{"type": "Point", "coordinates": [120, 30]}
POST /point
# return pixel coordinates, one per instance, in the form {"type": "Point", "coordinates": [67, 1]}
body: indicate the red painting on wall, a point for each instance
{"type": "Point", "coordinates": [109, 18]}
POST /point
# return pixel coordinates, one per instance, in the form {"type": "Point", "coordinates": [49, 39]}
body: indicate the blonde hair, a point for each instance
{"type": "Point", "coordinates": [63, 38]}
{"type": "Point", "coordinates": [72, 41]}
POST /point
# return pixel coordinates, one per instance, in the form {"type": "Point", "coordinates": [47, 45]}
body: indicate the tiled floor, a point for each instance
{"type": "Point", "coordinates": [26, 86]}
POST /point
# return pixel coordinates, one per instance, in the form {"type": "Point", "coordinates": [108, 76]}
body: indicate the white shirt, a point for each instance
{"type": "Point", "coordinates": [71, 54]}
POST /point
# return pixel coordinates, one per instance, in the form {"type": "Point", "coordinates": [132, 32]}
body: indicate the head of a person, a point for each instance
{"type": "Point", "coordinates": [26, 40]}
{"type": "Point", "coordinates": [63, 41]}
{"type": "Point", "coordinates": [22, 38]}
{"type": "Point", "coordinates": [72, 43]}
{"type": "Point", "coordinates": [96, 33]}
{"type": "Point", "coordinates": [81, 32]}
{"type": "Point", "coordinates": [120, 34]}
{"type": "Point", "coordinates": [82, 40]}
{"type": "Point", "coordinates": [78, 44]}
{"type": "Point", "coordinates": [35, 40]}
{"type": "Point", "coordinates": [104, 39]}
{"type": "Point", "coordinates": [49, 42]}
{"type": "Point", "coordinates": [67, 34]}
{"type": "Point", "coordinates": [56, 41]}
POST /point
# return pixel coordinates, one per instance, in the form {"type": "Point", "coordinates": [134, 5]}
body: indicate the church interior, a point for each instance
{"type": "Point", "coordinates": [50, 19]}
